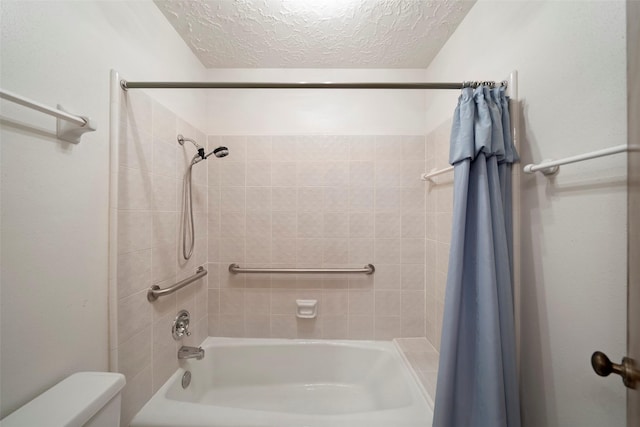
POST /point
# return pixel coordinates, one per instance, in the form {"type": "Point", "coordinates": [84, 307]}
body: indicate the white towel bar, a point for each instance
{"type": "Point", "coordinates": [69, 127]}
{"type": "Point", "coordinates": [428, 176]}
{"type": "Point", "coordinates": [550, 167]}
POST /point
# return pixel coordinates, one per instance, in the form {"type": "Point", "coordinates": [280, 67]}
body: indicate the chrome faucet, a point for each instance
{"type": "Point", "coordinates": [186, 352]}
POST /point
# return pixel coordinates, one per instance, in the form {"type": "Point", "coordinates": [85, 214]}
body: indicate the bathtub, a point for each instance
{"type": "Point", "coordinates": [287, 383]}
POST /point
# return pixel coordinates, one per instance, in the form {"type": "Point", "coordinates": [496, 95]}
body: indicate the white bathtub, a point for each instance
{"type": "Point", "coordinates": [287, 383]}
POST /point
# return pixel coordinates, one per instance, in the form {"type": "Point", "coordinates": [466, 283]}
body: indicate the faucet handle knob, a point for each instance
{"type": "Point", "coordinates": [180, 326]}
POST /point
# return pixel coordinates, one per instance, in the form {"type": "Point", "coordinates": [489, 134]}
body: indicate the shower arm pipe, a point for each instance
{"type": "Point", "coordinates": [550, 167]}
{"type": "Point", "coordinates": [155, 292]}
{"type": "Point", "coordinates": [367, 269]}
{"type": "Point", "coordinates": [126, 85]}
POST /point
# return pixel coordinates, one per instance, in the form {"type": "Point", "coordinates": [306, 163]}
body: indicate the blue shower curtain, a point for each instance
{"type": "Point", "coordinates": [477, 378]}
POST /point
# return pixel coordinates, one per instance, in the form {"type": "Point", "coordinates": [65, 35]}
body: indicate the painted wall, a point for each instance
{"type": "Point", "coordinates": [298, 112]}
{"type": "Point", "coordinates": [572, 85]}
{"type": "Point", "coordinates": [55, 197]}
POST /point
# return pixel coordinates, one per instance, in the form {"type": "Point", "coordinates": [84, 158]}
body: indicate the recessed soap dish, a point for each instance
{"type": "Point", "coordinates": [306, 308]}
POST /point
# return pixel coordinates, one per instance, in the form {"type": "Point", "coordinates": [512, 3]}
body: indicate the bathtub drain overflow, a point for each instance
{"type": "Point", "coordinates": [186, 379]}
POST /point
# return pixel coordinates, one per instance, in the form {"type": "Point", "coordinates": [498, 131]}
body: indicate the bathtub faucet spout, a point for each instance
{"type": "Point", "coordinates": [186, 352]}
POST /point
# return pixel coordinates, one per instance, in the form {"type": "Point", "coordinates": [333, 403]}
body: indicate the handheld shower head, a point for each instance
{"type": "Point", "coordinates": [220, 152]}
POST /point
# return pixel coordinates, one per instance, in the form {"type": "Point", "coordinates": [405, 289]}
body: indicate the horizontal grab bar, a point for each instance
{"type": "Point", "coordinates": [367, 269]}
{"type": "Point", "coordinates": [156, 292]}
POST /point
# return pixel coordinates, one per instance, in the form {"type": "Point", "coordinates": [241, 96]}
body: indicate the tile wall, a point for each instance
{"type": "Point", "coordinates": [275, 201]}
{"type": "Point", "coordinates": [439, 207]}
{"type": "Point", "coordinates": [319, 201]}
{"type": "Point", "coordinates": [150, 170]}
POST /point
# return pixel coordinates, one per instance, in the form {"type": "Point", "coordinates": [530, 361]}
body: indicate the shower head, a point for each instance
{"type": "Point", "coordinates": [220, 152]}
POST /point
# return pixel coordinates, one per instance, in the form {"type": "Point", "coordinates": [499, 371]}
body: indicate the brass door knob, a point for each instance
{"type": "Point", "coordinates": [627, 370]}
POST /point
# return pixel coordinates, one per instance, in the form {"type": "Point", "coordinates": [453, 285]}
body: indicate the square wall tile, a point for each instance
{"type": "Point", "coordinates": [284, 148]}
{"type": "Point", "coordinates": [413, 251]}
{"type": "Point", "coordinates": [257, 326]}
{"type": "Point", "coordinates": [164, 125]}
{"type": "Point", "coordinates": [388, 174]}
{"type": "Point", "coordinates": [361, 327]}
{"type": "Point", "coordinates": [387, 327]}
{"type": "Point", "coordinates": [335, 302]}
{"type": "Point", "coordinates": [134, 189]}
{"type": "Point", "coordinates": [134, 272]}
{"type": "Point", "coordinates": [413, 147]}
{"type": "Point", "coordinates": [361, 174]}
{"type": "Point", "coordinates": [361, 148]}
{"type": "Point", "coordinates": [336, 199]}
{"type": "Point", "coordinates": [336, 174]}
{"type": "Point", "coordinates": [335, 251]}
{"type": "Point", "coordinates": [258, 174]}
{"type": "Point", "coordinates": [388, 148]}
{"type": "Point", "coordinates": [134, 231]}
{"type": "Point", "coordinates": [388, 276]}
{"type": "Point", "coordinates": [237, 146]}
{"type": "Point", "coordinates": [232, 199]}
{"type": "Point", "coordinates": [388, 225]}
{"type": "Point", "coordinates": [361, 225]}
{"type": "Point", "coordinates": [387, 303]}
{"type": "Point", "coordinates": [283, 174]}
{"type": "Point", "coordinates": [310, 174]}
{"type": "Point", "coordinates": [336, 225]}
{"type": "Point", "coordinates": [284, 224]}
{"type": "Point", "coordinates": [257, 302]}
{"type": "Point", "coordinates": [335, 327]}
{"type": "Point", "coordinates": [258, 199]}
{"type": "Point", "coordinates": [134, 354]}
{"type": "Point", "coordinates": [258, 148]}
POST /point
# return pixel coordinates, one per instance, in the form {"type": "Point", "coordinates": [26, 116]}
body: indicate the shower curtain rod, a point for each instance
{"type": "Point", "coordinates": [302, 85]}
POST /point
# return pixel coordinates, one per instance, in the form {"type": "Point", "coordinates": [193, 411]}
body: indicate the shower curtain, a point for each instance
{"type": "Point", "coordinates": [477, 378]}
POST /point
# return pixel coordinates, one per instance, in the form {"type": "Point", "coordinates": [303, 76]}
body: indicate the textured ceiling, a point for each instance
{"type": "Point", "coordinates": [315, 33]}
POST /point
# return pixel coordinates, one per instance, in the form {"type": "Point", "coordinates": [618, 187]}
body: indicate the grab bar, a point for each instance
{"type": "Point", "coordinates": [368, 269]}
{"type": "Point", "coordinates": [156, 292]}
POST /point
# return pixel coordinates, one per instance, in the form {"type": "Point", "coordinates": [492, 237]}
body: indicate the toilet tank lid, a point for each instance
{"type": "Point", "coordinates": [71, 402]}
